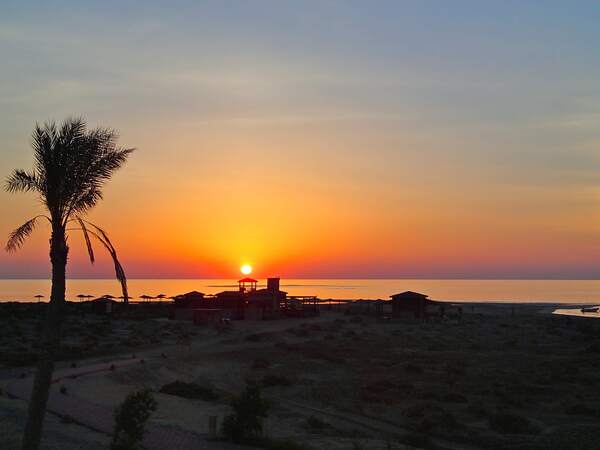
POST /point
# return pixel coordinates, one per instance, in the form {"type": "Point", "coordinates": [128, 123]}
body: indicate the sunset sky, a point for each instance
{"type": "Point", "coordinates": [319, 139]}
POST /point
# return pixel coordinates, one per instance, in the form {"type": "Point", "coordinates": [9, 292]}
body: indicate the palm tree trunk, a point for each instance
{"type": "Point", "coordinates": [49, 341]}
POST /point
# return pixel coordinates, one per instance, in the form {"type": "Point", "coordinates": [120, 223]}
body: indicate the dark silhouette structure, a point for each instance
{"type": "Point", "coordinates": [192, 299]}
{"type": "Point", "coordinates": [247, 302]}
{"type": "Point", "coordinates": [104, 305]}
{"type": "Point", "coordinates": [409, 302]}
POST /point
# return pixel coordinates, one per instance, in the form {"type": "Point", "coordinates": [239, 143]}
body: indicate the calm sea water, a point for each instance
{"type": "Point", "coordinates": [549, 291]}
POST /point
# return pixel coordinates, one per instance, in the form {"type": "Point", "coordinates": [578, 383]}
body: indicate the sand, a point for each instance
{"type": "Point", "coordinates": [502, 377]}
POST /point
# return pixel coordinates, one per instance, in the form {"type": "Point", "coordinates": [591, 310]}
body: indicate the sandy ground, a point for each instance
{"type": "Point", "coordinates": [502, 377]}
{"type": "Point", "coordinates": [58, 434]}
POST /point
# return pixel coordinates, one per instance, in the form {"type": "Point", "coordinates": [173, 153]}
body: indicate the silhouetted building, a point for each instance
{"type": "Point", "coordinates": [189, 300]}
{"type": "Point", "coordinates": [104, 305]}
{"type": "Point", "coordinates": [247, 302]}
{"type": "Point", "coordinates": [265, 303]}
{"type": "Point", "coordinates": [409, 302]}
{"type": "Point", "coordinates": [184, 305]}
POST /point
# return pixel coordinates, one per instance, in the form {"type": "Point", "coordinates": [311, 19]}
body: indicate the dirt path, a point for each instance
{"type": "Point", "coordinates": [100, 418]}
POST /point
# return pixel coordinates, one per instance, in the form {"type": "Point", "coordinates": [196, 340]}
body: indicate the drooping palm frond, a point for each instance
{"type": "Point", "coordinates": [86, 236]}
{"type": "Point", "coordinates": [101, 235]}
{"type": "Point", "coordinates": [18, 236]}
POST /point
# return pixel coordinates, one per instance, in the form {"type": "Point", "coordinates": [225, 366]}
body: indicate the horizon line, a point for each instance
{"type": "Point", "coordinates": [323, 278]}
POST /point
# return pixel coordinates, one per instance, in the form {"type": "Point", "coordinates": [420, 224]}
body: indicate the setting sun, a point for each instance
{"type": "Point", "coordinates": [246, 269]}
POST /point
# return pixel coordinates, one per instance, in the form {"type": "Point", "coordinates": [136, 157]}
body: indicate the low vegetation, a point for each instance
{"type": "Point", "coordinates": [190, 390]}
{"type": "Point", "coordinates": [84, 333]}
{"type": "Point", "coordinates": [130, 420]}
{"type": "Point", "coordinates": [245, 424]}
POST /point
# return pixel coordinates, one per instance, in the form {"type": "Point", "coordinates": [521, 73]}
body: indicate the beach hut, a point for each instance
{"type": "Point", "coordinates": [192, 299]}
{"type": "Point", "coordinates": [183, 305]}
{"type": "Point", "coordinates": [104, 305]}
{"type": "Point", "coordinates": [409, 302]}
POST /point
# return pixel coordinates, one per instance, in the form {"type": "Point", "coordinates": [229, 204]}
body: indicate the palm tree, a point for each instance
{"type": "Point", "coordinates": [71, 166]}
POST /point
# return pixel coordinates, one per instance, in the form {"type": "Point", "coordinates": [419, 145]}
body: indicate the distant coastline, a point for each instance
{"type": "Point", "coordinates": [559, 292]}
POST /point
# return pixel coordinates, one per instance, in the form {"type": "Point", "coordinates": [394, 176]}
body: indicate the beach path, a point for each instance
{"type": "Point", "coordinates": [100, 418]}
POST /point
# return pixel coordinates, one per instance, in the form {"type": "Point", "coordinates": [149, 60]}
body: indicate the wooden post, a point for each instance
{"type": "Point", "coordinates": [212, 427]}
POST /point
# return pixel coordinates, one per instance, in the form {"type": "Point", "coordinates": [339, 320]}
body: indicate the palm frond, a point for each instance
{"type": "Point", "coordinates": [101, 236]}
{"type": "Point", "coordinates": [86, 235]}
{"type": "Point", "coordinates": [18, 236]}
{"type": "Point", "coordinates": [22, 181]}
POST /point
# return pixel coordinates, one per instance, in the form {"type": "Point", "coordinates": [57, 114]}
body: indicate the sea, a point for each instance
{"type": "Point", "coordinates": [526, 291]}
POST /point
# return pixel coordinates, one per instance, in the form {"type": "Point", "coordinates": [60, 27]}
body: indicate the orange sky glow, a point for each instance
{"type": "Point", "coordinates": [333, 141]}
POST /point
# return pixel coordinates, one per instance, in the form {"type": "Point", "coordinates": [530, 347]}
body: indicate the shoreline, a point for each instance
{"type": "Point", "coordinates": [448, 290]}
{"type": "Point", "coordinates": [326, 301]}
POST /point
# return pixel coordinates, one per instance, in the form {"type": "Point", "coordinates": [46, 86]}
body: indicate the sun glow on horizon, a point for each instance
{"type": "Point", "coordinates": [246, 269]}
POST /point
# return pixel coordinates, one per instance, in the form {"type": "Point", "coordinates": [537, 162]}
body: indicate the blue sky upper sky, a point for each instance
{"type": "Point", "coordinates": [467, 133]}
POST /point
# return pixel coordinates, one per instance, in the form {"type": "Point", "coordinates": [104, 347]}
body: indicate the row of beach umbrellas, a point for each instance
{"type": "Point", "coordinates": [82, 297]}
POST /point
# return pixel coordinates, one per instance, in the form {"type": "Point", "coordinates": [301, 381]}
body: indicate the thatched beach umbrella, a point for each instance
{"type": "Point", "coordinates": [39, 297]}
{"type": "Point", "coordinates": [89, 296]}
{"type": "Point", "coordinates": [122, 297]}
{"type": "Point", "coordinates": [161, 296]}
{"type": "Point", "coordinates": [108, 296]}
{"type": "Point", "coordinates": [81, 297]}
{"type": "Point", "coordinates": [146, 297]}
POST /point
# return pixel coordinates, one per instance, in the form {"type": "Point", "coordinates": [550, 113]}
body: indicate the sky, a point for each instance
{"type": "Point", "coordinates": [386, 139]}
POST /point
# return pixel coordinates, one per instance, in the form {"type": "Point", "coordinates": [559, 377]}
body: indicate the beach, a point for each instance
{"type": "Point", "coordinates": [503, 376]}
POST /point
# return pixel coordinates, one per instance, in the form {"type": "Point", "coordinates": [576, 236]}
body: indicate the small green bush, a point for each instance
{"type": "Point", "coordinates": [245, 425]}
{"type": "Point", "coordinates": [130, 419]}
{"type": "Point", "coordinates": [190, 390]}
